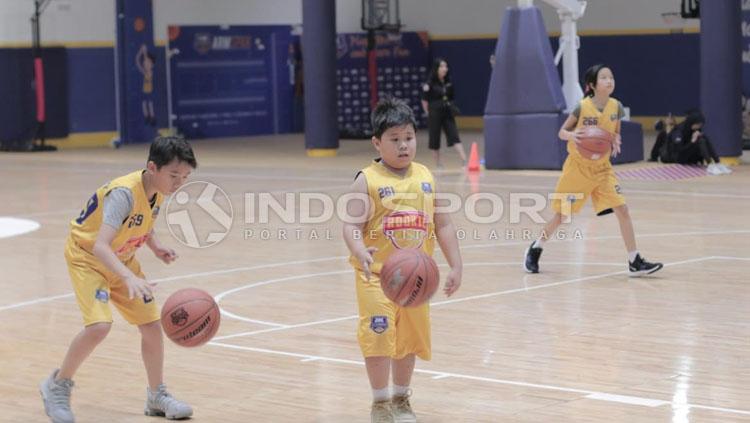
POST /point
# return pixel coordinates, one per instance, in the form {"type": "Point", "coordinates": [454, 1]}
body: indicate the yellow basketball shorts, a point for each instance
{"type": "Point", "coordinates": [580, 181]}
{"type": "Point", "coordinates": [386, 329]}
{"type": "Point", "coordinates": [95, 286]}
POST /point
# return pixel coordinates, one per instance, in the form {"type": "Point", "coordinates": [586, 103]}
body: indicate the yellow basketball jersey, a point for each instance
{"type": "Point", "coordinates": [591, 116]}
{"type": "Point", "coordinates": [134, 230]}
{"type": "Point", "coordinates": [148, 83]}
{"type": "Point", "coordinates": [403, 211]}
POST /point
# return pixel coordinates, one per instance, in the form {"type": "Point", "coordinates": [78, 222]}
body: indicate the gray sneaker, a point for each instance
{"type": "Point", "coordinates": [402, 412]}
{"type": "Point", "coordinates": [162, 403]}
{"type": "Point", "coordinates": [56, 398]}
{"type": "Point", "coordinates": [381, 412]}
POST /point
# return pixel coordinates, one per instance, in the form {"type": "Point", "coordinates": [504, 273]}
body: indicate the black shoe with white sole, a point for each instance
{"type": "Point", "coordinates": [531, 261]}
{"type": "Point", "coordinates": [640, 267]}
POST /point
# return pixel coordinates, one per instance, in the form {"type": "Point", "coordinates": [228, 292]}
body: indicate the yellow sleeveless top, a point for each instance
{"type": "Point", "coordinates": [134, 230]}
{"type": "Point", "coordinates": [402, 212]}
{"type": "Point", "coordinates": [591, 116]}
{"type": "Point", "coordinates": [148, 83]}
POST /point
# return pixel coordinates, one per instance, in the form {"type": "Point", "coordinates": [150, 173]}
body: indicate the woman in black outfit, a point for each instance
{"type": "Point", "coordinates": [437, 102]}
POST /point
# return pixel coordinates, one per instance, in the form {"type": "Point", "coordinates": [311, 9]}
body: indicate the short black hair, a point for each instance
{"type": "Point", "coordinates": [590, 78]}
{"type": "Point", "coordinates": [391, 112]}
{"type": "Point", "coordinates": [166, 149]}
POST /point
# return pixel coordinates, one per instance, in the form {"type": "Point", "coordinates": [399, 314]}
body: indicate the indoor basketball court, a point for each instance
{"type": "Point", "coordinates": [259, 224]}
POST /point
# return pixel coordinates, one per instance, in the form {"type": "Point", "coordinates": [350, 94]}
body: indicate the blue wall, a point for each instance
{"type": "Point", "coordinates": [655, 74]}
{"type": "Point", "coordinates": [91, 88]}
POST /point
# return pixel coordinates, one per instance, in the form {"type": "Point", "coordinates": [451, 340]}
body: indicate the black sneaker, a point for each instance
{"type": "Point", "coordinates": [531, 261]}
{"type": "Point", "coordinates": [640, 267]}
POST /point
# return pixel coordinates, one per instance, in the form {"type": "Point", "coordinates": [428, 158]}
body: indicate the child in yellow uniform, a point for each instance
{"type": "Point", "coordinates": [100, 252]}
{"type": "Point", "coordinates": [582, 178]}
{"type": "Point", "coordinates": [397, 211]}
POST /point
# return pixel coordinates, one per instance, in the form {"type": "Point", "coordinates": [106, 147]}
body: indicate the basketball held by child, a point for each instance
{"type": "Point", "coordinates": [409, 277]}
{"type": "Point", "coordinates": [595, 142]}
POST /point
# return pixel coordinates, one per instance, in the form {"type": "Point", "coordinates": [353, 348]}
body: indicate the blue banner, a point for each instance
{"type": "Point", "coordinates": [403, 61]}
{"type": "Point", "coordinates": [136, 60]}
{"type": "Point", "coordinates": [231, 80]}
{"type": "Point", "coordinates": [746, 48]}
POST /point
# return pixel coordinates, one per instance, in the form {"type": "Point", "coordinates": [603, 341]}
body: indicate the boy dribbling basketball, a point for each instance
{"type": "Point", "coordinates": [398, 211]}
{"type": "Point", "coordinates": [100, 252]}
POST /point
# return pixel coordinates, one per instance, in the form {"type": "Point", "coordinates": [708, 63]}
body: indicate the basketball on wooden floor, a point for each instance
{"type": "Point", "coordinates": [595, 142]}
{"type": "Point", "coordinates": [409, 277]}
{"type": "Point", "coordinates": [190, 317]}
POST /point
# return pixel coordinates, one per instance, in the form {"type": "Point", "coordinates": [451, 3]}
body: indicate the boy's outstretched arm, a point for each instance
{"type": "Point", "coordinates": [358, 210]}
{"type": "Point", "coordinates": [103, 251]}
{"type": "Point", "coordinates": [165, 254]}
{"type": "Point", "coordinates": [446, 237]}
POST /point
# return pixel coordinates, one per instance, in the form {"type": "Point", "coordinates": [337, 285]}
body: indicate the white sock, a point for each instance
{"type": "Point", "coordinates": [400, 390]}
{"type": "Point", "coordinates": [381, 394]}
{"type": "Point", "coordinates": [539, 243]}
{"type": "Point", "coordinates": [632, 255]}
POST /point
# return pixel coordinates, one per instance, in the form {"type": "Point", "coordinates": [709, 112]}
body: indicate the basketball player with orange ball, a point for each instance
{"type": "Point", "coordinates": [100, 252]}
{"type": "Point", "coordinates": [397, 210]}
{"type": "Point", "coordinates": [593, 177]}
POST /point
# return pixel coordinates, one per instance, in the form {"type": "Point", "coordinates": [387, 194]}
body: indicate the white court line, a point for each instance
{"type": "Point", "coordinates": [332, 258]}
{"type": "Point", "coordinates": [186, 276]}
{"type": "Point", "coordinates": [595, 395]}
{"type": "Point", "coordinates": [224, 294]}
{"type": "Point", "coordinates": [732, 258]}
{"type": "Point", "coordinates": [437, 303]}
{"type": "Point", "coordinates": [606, 237]}
{"type": "Point", "coordinates": [72, 212]}
{"type": "Point", "coordinates": [627, 399]}
{"type": "Point", "coordinates": [247, 320]}
{"type": "Point", "coordinates": [656, 193]}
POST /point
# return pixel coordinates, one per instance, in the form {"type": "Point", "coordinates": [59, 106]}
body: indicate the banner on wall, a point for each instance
{"type": "Point", "coordinates": [231, 80]}
{"type": "Point", "coordinates": [403, 63]}
{"type": "Point", "coordinates": [136, 59]}
{"type": "Point", "coordinates": [746, 48]}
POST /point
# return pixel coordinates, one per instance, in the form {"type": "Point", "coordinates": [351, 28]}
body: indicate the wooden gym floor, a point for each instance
{"type": "Point", "coordinates": [580, 342]}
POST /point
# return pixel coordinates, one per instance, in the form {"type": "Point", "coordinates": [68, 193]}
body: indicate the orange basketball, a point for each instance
{"type": "Point", "coordinates": [190, 317]}
{"type": "Point", "coordinates": [409, 277]}
{"type": "Point", "coordinates": [595, 142]}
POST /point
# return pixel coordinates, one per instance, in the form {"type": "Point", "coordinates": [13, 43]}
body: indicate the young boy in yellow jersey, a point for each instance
{"type": "Point", "coordinates": [582, 178]}
{"type": "Point", "coordinates": [100, 251]}
{"type": "Point", "coordinates": [397, 211]}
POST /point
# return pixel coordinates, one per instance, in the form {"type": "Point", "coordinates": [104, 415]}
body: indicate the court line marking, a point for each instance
{"type": "Point", "coordinates": [459, 183]}
{"type": "Point", "coordinates": [72, 212]}
{"type": "Point", "coordinates": [229, 314]}
{"type": "Point", "coordinates": [332, 258]}
{"type": "Point", "coordinates": [595, 395]}
{"type": "Point", "coordinates": [433, 304]}
{"type": "Point", "coordinates": [648, 193]}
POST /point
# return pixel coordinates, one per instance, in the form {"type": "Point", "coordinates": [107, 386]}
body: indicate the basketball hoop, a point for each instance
{"type": "Point", "coordinates": [381, 15]}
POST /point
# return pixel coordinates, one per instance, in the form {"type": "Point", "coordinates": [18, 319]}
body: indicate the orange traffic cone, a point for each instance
{"type": "Point", "coordinates": [473, 159]}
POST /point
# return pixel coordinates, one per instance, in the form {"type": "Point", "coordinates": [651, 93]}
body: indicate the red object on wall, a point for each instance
{"type": "Point", "coordinates": [39, 79]}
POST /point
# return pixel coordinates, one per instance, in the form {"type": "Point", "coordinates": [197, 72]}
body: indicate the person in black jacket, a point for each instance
{"type": "Point", "coordinates": [437, 102]}
{"type": "Point", "coordinates": [687, 144]}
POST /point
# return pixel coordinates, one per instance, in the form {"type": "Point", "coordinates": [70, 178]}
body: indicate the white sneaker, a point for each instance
{"type": "Point", "coordinates": [713, 169]}
{"type": "Point", "coordinates": [56, 398]}
{"type": "Point", "coordinates": [724, 169]}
